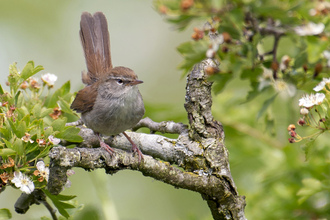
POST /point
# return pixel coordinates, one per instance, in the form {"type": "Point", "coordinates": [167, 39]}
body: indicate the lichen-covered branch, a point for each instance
{"type": "Point", "coordinates": [199, 152]}
{"type": "Point", "coordinates": [163, 127]}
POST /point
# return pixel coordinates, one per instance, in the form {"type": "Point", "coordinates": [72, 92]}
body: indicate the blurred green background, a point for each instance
{"type": "Point", "coordinates": [266, 169]}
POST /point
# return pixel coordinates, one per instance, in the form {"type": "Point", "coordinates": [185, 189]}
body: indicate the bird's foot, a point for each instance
{"type": "Point", "coordinates": [135, 149]}
{"type": "Point", "coordinates": [107, 148]}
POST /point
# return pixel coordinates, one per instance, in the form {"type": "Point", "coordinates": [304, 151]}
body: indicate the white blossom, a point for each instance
{"type": "Point", "coordinates": [309, 101]}
{"type": "Point", "coordinates": [23, 182]}
{"type": "Point", "coordinates": [319, 86]}
{"type": "Point", "coordinates": [54, 140]}
{"type": "Point", "coordinates": [43, 170]}
{"type": "Point", "coordinates": [322, 84]}
{"type": "Point", "coordinates": [27, 138]}
{"type": "Point", "coordinates": [49, 79]}
{"type": "Point", "coordinates": [309, 29]}
{"type": "Point", "coordinates": [288, 88]}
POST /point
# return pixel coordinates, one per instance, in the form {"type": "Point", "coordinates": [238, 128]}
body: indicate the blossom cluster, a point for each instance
{"type": "Point", "coordinates": [25, 182]}
{"type": "Point", "coordinates": [309, 102]}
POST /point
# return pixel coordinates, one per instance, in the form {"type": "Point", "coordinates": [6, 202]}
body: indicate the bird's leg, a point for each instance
{"type": "Point", "coordinates": [104, 145]}
{"type": "Point", "coordinates": [135, 149]}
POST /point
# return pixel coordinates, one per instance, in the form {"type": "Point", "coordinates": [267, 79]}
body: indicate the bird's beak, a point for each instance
{"type": "Point", "coordinates": [136, 82]}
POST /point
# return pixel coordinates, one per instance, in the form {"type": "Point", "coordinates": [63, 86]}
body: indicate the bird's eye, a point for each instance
{"type": "Point", "coordinates": [119, 81]}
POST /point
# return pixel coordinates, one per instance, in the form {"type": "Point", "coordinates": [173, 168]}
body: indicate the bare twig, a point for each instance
{"type": "Point", "coordinates": [75, 123]}
{"type": "Point", "coordinates": [163, 127]}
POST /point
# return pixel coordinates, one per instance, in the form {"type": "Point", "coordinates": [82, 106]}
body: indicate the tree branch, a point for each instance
{"type": "Point", "coordinates": [163, 127]}
{"type": "Point", "coordinates": [199, 152]}
{"type": "Point", "coordinates": [38, 197]}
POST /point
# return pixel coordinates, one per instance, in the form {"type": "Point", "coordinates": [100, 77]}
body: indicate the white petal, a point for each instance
{"type": "Point", "coordinates": [40, 166]}
{"type": "Point", "coordinates": [28, 188]}
{"type": "Point", "coordinates": [319, 86]}
{"type": "Point", "coordinates": [319, 97]}
{"type": "Point", "coordinates": [291, 90]}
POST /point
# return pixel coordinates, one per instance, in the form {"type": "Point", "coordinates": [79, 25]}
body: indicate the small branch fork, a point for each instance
{"type": "Point", "coordinates": [199, 152]}
{"type": "Point", "coordinates": [38, 197]}
{"type": "Point", "coordinates": [270, 29]}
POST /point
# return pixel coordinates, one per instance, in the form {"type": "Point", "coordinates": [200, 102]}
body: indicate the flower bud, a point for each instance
{"type": "Point", "coordinates": [292, 133]}
{"type": "Point", "coordinates": [304, 111]}
{"type": "Point", "coordinates": [301, 122]}
{"type": "Point", "coordinates": [274, 66]}
{"type": "Point", "coordinates": [291, 140]}
{"type": "Point", "coordinates": [226, 37]}
{"type": "Point", "coordinates": [291, 127]}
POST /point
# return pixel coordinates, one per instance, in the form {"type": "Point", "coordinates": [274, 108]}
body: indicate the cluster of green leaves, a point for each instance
{"type": "Point", "coordinates": [273, 174]}
{"type": "Point", "coordinates": [240, 57]}
{"type": "Point", "coordinates": [30, 118]}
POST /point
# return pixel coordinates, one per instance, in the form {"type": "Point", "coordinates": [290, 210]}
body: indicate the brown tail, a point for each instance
{"type": "Point", "coordinates": [95, 41]}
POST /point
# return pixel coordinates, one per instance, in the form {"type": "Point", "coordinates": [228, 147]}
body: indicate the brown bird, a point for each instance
{"type": "Point", "coordinates": [111, 102]}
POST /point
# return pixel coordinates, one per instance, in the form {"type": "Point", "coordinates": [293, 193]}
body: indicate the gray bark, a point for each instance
{"type": "Point", "coordinates": [199, 150]}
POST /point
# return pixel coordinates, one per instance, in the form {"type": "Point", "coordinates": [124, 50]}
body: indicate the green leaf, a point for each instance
{"type": "Point", "coordinates": [1, 90]}
{"type": "Point", "coordinates": [5, 133]}
{"type": "Point", "coordinates": [18, 146]}
{"type": "Point", "coordinates": [5, 214]}
{"type": "Point", "coordinates": [66, 88]}
{"type": "Point", "coordinates": [12, 126]}
{"type": "Point", "coordinates": [234, 33]}
{"type": "Point", "coordinates": [65, 106]}
{"type": "Point", "coordinates": [265, 106]}
{"type": "Point", "coordinates": [8, 144]}
{"type": "Point", "coordinates": [31, 147]}
{"type": "Point", "coordinates": [270, 125]}
{"type": "Point", "coordinates": [194, 55]}
{"type": "Point", "coordinates": [300, 60]}
{"type": "Point", "coordinates": [59, 124]}
{"type": "Point", "coordinates": [252, 74]}
{"type": "Point", "coordinates": [185, 48]}
{"type": "Point", "coordinates": [70, 134]}
{"type": "Point", "coordinates": [307, 147]}
{"type": "Point", "coordinates": [36, 111]}
{"type": "Point", "coordinates": [315, 47]}
{"type": "Point", "coordinates": [181, 22]}
{"type": "Point", "coordinates": [61, 206]}
{"type": "Point", "coordinates": [49, 131]}
{"type": "Point", "coordinates": [21, 129]}
{"type": "Point", "coordinates": [311, 187]}
{"type": "Point", "coordinates": [7, 152]}
{"type": "Point", "coordinates": [19, 99]}
{"type": "Point", "coordinates": [65, 197]}
{"type": "Point", "coordinates": [254, 92]}
{"type": "Point", "coordinates": [220, 81]}
{"type": "Point", "coordinates": [45, 112]}
{"type": "Point", "coordinates": [59, 93]}
{"type": "Point", "coordinates": [29, 70]}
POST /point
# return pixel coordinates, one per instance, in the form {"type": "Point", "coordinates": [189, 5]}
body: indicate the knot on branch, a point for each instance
{"type": "Point", "coordinates": [198, 106]}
